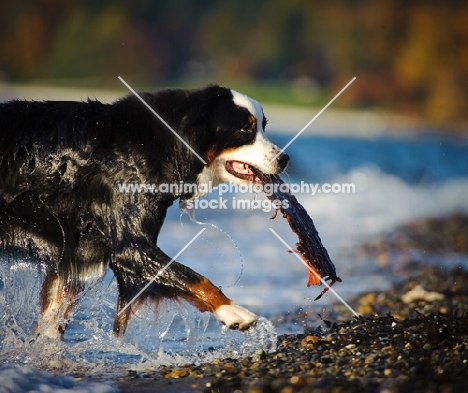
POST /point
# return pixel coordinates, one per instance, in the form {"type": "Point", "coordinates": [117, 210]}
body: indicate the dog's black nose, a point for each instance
{"type": "Point", "coordinates": [283, 159]}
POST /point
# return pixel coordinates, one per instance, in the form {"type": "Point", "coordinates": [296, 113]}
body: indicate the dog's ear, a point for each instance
{"type": "Point", "coordinates": [197, 123]}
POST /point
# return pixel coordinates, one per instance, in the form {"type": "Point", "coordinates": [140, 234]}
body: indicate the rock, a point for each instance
{"type": "Point", "coordinates": [178, 373]}
{"type": "Point", "coordinates": [259, 355]}
{"type": "Point", "coordinates": [418, 293]}
{"type": "Point", "coordinates": [308, 342]}
{"type": "Point", "coordinates": [372, 357]}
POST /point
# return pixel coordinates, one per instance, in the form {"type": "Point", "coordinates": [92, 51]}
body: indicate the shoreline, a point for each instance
{"type": "Point", "coordinates": [421, 346]}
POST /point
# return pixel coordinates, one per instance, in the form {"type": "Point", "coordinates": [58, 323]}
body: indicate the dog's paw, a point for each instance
{"type": "Point", "coordinates": [235, 317]}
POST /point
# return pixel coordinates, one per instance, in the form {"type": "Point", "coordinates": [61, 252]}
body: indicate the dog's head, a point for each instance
{"type": "Point", "coordinates": [239, 147]}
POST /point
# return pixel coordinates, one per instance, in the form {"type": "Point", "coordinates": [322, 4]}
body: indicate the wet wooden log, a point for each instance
{"type": "Point", "coordinates": [309, 247]}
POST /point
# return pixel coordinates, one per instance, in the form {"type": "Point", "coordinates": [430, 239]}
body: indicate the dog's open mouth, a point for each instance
{"type": "Point", "coordinates": [242, 170]}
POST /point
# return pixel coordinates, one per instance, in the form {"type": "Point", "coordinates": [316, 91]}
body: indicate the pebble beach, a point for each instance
{"type": "Point", "coordinates": [411, 338]}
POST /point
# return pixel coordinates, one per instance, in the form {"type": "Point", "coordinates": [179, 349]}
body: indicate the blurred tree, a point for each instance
{"type": "Point", "coordinates": [26, 30]}
{"type": "Point", "coordinates": [408, 55]}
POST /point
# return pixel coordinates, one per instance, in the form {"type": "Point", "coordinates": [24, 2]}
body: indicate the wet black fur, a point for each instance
{"type": "Point", "coordinates": [60, 163]}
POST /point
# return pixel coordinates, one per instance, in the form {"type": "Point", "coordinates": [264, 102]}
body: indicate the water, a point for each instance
{"type": "Point", "coordinates": [397, 178]}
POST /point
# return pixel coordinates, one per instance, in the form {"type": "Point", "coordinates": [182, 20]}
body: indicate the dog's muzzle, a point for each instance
{"type": "Point", "coordinates": [282, 161]}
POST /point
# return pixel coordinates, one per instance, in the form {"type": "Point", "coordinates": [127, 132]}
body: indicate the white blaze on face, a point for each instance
{"type": "Point", "coordinates": [251, 105]}
{"type": "Point", "coordinates": [262, 151]}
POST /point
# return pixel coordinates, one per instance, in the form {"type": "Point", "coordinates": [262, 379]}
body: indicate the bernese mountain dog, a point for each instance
{"type": "Point", "coordinates": [61, 162]}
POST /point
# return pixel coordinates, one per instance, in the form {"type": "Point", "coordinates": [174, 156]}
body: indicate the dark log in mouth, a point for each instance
{"type": "Point", "coordinates": [309, 247]}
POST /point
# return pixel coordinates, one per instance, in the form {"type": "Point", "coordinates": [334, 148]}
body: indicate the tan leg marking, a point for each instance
{"type": "Point", "coordinates": [56, 304]}
{"type": "Point", "coordinates": [206, 297]}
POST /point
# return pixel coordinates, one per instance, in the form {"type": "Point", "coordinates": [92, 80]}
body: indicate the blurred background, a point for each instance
{"type": "Point", "coordinates": [408, 56]}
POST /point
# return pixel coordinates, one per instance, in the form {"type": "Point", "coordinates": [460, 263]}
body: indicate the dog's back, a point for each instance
{"type": "Point", "coordinates": [47, 176]}
{"type": "Point", "coordinates": [40, 140]}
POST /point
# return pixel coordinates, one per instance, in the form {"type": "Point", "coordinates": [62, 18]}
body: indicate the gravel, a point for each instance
{"type": "Point", "coordinates": [421, 345]}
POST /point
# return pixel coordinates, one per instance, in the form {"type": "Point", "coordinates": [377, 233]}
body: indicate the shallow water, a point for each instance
{"type": "Point", "coordinates": [178, 335]}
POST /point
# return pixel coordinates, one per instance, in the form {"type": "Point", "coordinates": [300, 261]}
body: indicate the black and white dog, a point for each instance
{"type": "Point", "coordinates": [60, 163]}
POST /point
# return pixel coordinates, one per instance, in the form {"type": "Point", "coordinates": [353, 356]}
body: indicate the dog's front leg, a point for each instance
{"type": "Point", "coordinates": [156, 278]}
{"type": "Point", "coordinates": [207, 297]}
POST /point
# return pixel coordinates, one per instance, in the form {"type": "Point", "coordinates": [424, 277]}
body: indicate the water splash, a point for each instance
{"type": "Point", "coordinates": [243, 344]}
{"type": "Point", "coordinates": [189, 209]}
{"type": "Point", "coordinates": [174, 334]}
{"type": "Point", "coordinates": [20, 285]}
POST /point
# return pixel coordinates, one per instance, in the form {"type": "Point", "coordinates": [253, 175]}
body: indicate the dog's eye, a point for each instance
{"type": "Point", "coordinates": [244, 134]}
{"type": "Point", "coordinates": [244, 131]}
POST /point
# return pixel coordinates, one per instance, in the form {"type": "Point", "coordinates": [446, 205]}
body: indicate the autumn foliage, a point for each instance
{"type": "Point", "coordinates": [410, 56]}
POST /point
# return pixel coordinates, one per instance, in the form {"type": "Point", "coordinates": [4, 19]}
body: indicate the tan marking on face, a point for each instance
{"type": "Point", "coordinates": [213, 153]}
{"type": "Point", "coordinates": [252, 120]}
